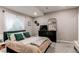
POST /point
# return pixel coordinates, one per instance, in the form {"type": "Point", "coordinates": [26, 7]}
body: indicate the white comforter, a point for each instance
{"type": "Point", "coordinates": [24, 46]}
{"type": "Point", "coordinates": [35, 40]}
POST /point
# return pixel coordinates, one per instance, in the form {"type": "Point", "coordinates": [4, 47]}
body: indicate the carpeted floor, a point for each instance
{"type": "Point", "coordinates": [61, 48]}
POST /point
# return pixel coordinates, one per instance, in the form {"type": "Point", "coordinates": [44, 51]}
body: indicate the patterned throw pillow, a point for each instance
{"type": "Point", "coordinates": [18, 37]}
{"type": "Point", "coordinates": [26, 34]}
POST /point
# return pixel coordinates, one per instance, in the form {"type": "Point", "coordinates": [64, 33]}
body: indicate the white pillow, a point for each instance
{"type": "Point", "coordinates": [30, 33]}
{"type": "Point", "coordinates": [12, 37]}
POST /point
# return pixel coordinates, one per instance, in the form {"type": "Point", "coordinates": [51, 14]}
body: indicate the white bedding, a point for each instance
{"type": "Point", "coordinates": [35, 40]}
{"type": "Point", "coordinates": [24, 46]}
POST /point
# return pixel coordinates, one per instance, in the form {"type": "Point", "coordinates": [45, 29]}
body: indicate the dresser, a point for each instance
{"type": "Point", "coordinates": [50, 34]}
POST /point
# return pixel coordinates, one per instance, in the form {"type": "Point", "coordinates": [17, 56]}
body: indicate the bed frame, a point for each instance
{"type": "Point", "coordinates": [12, 51]}
{"type": "Point", "coordinates": [6, 32]}
{"type": "Point", "coordinates": [6, 38]}
{"type": "Point", "coordinates": [47, 48]}
{"type": "Point", "coordinates": [76, 49]}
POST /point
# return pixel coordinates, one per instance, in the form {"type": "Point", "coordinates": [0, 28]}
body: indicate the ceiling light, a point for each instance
{"type": "Point", "coordinates": [35, 13]}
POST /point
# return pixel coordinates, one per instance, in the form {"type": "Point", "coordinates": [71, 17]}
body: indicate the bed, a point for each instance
{"type": "Point", "coordinates": [27, 45]}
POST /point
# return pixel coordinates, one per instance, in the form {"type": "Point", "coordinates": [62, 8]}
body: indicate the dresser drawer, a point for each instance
{"type": "Point", "coordinates": [50, 34]}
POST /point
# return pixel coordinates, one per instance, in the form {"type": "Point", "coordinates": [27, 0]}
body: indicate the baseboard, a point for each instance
{"type": "Point", "coordinates": [64, 41]}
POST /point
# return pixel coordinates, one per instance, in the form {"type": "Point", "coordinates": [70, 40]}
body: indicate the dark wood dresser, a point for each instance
{"type": "Point", "coordinates": [50, 34]}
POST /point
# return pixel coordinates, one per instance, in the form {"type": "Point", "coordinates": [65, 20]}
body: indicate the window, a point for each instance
{"type": "Point", "coordinates": [14, 22]}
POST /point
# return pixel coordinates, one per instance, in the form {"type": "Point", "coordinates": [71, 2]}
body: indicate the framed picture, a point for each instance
{"type": "Point", "coordinates": [29, 23]}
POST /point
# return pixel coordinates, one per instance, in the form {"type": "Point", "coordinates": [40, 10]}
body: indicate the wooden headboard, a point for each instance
{"type": "Point", "coordinates": [5, 36]}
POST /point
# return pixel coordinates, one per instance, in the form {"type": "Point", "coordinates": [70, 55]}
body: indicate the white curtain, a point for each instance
{"type": "Point", "coordinates": [14, 22]}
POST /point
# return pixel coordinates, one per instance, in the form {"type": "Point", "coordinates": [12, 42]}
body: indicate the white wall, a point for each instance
{"type": "Point", "coordinates": [1, 21]}
{"type": "Point", "coordinates": [66, 24]}
{"type": "Point", "coordinates": [1, 24]}
{"type": "Point", "coordinates": [78, 24]}
{"type": "Point", "coordinates": [28, 26]}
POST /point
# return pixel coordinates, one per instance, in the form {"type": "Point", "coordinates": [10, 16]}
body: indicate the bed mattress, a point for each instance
{"type": "Point", "coordinates": [30, 45]}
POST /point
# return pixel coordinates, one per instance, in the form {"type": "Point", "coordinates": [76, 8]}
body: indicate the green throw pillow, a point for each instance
{"type": "Point", "coordinates": [18, 37]}
{"type": "Point", "coordinates": [26, 34]}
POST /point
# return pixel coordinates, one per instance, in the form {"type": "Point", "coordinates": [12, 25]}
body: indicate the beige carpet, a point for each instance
{"type": "Point", "coordinates": [61, 48]}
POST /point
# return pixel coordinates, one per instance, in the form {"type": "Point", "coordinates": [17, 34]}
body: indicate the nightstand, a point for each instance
{"type": "Point", "coordinates": [2, 47]}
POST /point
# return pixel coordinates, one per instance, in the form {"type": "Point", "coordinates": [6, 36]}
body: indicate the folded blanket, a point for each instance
{"type": "Point", "coordinates": [38, 42]}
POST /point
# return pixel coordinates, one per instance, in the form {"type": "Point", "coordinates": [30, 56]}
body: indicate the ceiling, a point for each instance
{"type": "Point", "coordinates": [35, 11]}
